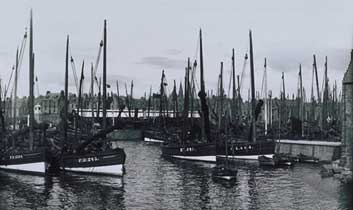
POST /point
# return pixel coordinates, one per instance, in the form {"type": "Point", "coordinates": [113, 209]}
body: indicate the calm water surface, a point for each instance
{"type": "Point", "coordinates": [152, 182]}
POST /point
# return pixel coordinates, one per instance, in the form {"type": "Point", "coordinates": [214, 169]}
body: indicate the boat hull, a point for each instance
{"type": "Point", "coordinates": [194, 152]}
{"type": "Point", "coordinates": [100, 163]}
{"type": "Point", "coordinates": [31, 162]}
{"type": "Point", "coordinates": [248, 150]}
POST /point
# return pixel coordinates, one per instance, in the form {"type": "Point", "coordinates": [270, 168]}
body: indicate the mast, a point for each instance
{"type": "Point", "coordinates": [131, 102]}
{"type": "Point", "coordinates": [99, 96]}
{"type": "Point", "coordinates": [325, 98]}
{"type": "Point", "coordinates": [105, 75]}
{"type": "Point", "coordinates": [31, 83]}
{"type": "Point", "coordinates": [301, 105]}
{"type": "Point", "coordinates": [318, 92]}
{"type": "Point", "coordinates": [253, 100]}
{"type": "Point", "coordinates": [187, 91]}
{"type": "Point", "coordinates": [234, 87]}
{"type": "Point", "coordinates": [118, 94]}
{"type": "Point", "coordinates": [175, 102]}
{"type": "Point", "coordinates": [239, 99]}
{"type": "Point", "coordinates": [149, 103]}
{"type": "Point", "coordinates": [2, 120]}
{"type": "Point", "coordinates": [186, 99]}
{"type": "Point", "coordinates": [14, 104]}
{"type": "Point", "coordinates": [79, 100]}
{"type": "Point", "coordinates": [92, 93]}
{"type": "Point", "coordinates": [66, 89]}
{"type": "Point", "coordinates": [202, 95]}
{"type": "Point", "coordinates": [161, 92]}
{"type": "Point", "coordinates": [192, 92]}
{"type": "Point", "coordinates": [317, 80]}
{"type": "Point", "coordinates": [283, 102]}
{"type": "Point", "coordinates": [265, 97]}
{"type": "Point", "coordinates": [221, 94]}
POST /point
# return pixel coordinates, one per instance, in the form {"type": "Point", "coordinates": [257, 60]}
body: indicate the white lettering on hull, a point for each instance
{"type": "Point", "coordinates": [113, 170]}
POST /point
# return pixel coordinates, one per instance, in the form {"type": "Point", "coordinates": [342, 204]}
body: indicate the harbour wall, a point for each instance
{"type": "Point", "coordinates": [323, 150]}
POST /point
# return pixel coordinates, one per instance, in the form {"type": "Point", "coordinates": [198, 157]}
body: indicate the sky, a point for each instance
{"type": "Point", "coordinates": [145, 37]}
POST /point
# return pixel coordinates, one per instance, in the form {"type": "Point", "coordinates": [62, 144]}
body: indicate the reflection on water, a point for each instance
{"type": "Point", "coordinates": [152, 182]}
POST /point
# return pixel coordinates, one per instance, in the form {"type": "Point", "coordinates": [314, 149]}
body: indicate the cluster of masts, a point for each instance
{"type": "Point", "coordinates": [320, 108]}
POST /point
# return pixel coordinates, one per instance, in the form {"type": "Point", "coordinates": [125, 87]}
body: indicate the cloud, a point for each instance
{"type": "Point", "coordinates": [173, 51]}
{"type": "Point", "coordinates": [163, 62]}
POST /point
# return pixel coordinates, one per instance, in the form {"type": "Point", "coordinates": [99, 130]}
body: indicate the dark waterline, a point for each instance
{"type": "Point", "coordinates": [152, 182]}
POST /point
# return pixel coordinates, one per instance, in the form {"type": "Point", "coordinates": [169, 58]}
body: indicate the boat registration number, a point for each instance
{"type": "Point", "coordinates": [88, 159]}
{"type": "Point", "coordinates": [14, 157]}
{"type": "Point", "coordinates": [187, 149]}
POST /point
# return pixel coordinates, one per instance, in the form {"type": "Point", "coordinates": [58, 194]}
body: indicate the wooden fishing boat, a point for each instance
{"type": "Point", "coordinates": [250, 148]}
{"type": "Point", "coordinates": [84, 152]}
{"type": "Point", "coordinates": [27, 152]}
{"type": "Point", "coordinates": [183, 146]}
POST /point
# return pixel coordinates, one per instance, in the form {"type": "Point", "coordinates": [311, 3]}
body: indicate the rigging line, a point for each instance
{"type": "Point", "coordinates": [98, 58]}
{"type": "Point", "coordinates": [101, 43]}
{"type": "Point", "coordinates": [20, 58]}
{"type": "Point", "coordinates": [243, 70]}
{"type": "Point", "coordinates": [263, 84]}
{"type": "Point", "coordinates": [73, 68]}
{"type": "Point", "coordinates": [312, 85]}
{"type": "Point", "coordinates": [22, 49]}
{"type": "Point", "coordinates": [8, 84]}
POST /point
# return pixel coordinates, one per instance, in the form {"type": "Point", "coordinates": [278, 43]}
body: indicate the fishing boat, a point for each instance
{"type": "Point", "coordinates": [276, 160]}
{"type": "Point", "coordinates": [88, 152]}
{"type": "Point", "coordinates": [185, 145]}
{"type": "Point", "coordinates": [241, 147]}
{"type": "Point", "coordinates": [153, 136]}
{"type": "Point", "coordinates": [23, 150]}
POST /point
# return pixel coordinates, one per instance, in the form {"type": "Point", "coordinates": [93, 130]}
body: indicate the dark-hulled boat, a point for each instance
{"type": "Point", "coordinates": [27, 151]}
{"type": "Point", "coordinates": [185, 146]}
{"type": "Point", "coordinates": [89, 152]}
{"type": "Point", "coordinates": [250, 148]}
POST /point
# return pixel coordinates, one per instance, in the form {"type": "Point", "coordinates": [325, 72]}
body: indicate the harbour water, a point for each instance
{"type": "Point", "coordinates": [152, 182]}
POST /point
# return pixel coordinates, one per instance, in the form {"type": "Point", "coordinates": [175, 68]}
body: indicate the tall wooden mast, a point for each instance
{"type": "Point", "coordinates": [92, 94]}
{"type": "Point", "coordinates": [202, 95]}
{"type": "Point", "coordinates": [253, 100]}
{"type": "Point", "coordinates": [14, 104]}
{"type": "Point", "coordinates": [31, 83]}
{"type": "Point", "coordinates": [265, 96]}
{"type": "Point", "coordinates": [221, 94]}
{"type": "Point", "coordinates": [234, 99]}
{"type": "Point", "coordinates": [105, 75]}
{"type": "Point", "coordinates": [301, 105]}
{"type": "Point", "coordinates": [318, 92]}
{"type": "Point", "coordinates": [317, 80]}
{"type": "Point", "coordinates": [66, 99]}
{"type": "Point", "coordinates": [325, 98]}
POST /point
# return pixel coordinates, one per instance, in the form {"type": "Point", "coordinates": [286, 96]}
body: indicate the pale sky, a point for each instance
{"type": "Point", "coordinates": [145, 37]}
